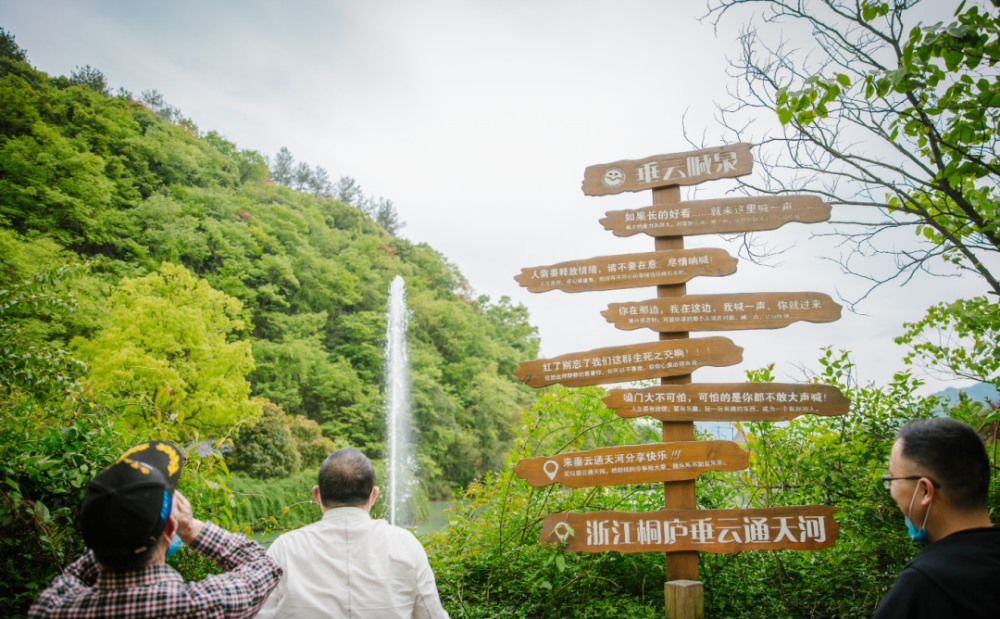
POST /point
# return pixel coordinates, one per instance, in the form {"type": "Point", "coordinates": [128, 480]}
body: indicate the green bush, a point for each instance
{"type": "Point", "coordinates": [280, 445]}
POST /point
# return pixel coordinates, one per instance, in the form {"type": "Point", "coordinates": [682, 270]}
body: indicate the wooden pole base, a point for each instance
{"type": "Point", "coordinates": [685, 599]}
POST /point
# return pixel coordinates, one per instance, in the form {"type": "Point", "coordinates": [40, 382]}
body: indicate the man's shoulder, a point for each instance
{"type": "Point", "coordinates": [980, 546]}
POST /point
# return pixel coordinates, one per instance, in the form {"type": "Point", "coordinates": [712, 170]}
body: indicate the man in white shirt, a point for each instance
{"type": "Point", "coordinates": [347, 564]}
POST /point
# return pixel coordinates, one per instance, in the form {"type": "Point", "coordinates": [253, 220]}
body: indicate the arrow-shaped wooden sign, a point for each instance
{"type": "Point", "coordinates": [719, 216]}
{"type": "Point", "coordinates": [657, 268]}
{"type": "Point", "coordinates": [723, 312]}
{"type": "Point", "coordinates": [728, 401]}
{"type": "Point", "coordinates": [804, 527]}
{"type": "Point", "coordinates": [690, 168]}
{"type": "Point", "coordinates": [622, 364]}
{"type": "Point", "coordinates": [633, 464]}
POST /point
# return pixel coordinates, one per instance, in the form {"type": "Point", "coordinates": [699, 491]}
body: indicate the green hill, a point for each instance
{"type": "Point", "coordinates": [86, 175]}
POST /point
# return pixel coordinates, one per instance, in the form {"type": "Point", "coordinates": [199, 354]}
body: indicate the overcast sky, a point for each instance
{"type": "Point", "coordinates": [477, 119]}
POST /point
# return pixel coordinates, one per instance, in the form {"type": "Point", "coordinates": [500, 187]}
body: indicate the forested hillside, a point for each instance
{"type": "Point", "coordinates": [212, 287]}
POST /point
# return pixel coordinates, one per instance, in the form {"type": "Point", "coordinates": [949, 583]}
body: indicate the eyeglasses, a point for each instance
{"type": "Point", "coordinates": [887, 481]}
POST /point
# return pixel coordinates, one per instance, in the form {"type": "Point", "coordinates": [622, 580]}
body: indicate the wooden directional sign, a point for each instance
{"type": "Point", "coordinates": [633, 464]}
{"type": "Point", "coordinates": [658, 268]}
{"type": "Point", "coordinates": [804, 527]}
{"type": "Point", "coordinates": [621, 364]}
{"type": "Point", "coordinates": [690, 168]}
{"type": "Point", "coordinates": [728, 401]}
{"type": "Point", "coordinates": [720, 216]}
{"type": "Point", "coordinates": [723, 312]}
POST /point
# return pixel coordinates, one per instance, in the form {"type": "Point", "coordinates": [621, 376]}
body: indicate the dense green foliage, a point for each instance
{"type": "Point", "coordinates": [299, 281]}
{"type": "Point", "coordinates": [489, 563]}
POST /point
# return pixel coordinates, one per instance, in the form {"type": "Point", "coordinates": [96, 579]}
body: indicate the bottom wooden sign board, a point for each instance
{"type": "Point", "coordinates": [803, 527]}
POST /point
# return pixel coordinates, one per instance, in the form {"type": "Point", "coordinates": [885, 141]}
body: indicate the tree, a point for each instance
{"type": "Point", "coordinates": [9, 48]}
{"type": "Point", "coordinates": [172, 328]}
{"type": "Point", "coordinates": [92, 78]}
{"type": "Point", "coordinates": [319, 183]}
{"type": "Point", "coordinates": [905, 124]}
{"type": "Point", "coordinates": [348, 191]}
{"type": "Point", "coordinates": [281, 169]}
{"type": "Point", "coordinates": [385, 214]}
{"type": "Point", "coordinates": [901, 123]}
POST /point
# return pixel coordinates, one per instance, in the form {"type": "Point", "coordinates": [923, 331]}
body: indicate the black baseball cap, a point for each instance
{"type": "Point", "coordinates": [127, 504]}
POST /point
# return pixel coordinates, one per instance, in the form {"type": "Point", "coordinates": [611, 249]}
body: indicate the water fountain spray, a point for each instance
{"type": "Point", "coordinates": [397, 412]}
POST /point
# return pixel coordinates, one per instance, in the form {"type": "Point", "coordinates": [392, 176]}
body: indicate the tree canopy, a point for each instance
{"type": "Point", "coordinates": [226, 282]}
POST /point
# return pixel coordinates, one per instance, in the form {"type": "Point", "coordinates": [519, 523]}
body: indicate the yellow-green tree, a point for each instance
{"type": "Point", "coordinates": [169, 340]}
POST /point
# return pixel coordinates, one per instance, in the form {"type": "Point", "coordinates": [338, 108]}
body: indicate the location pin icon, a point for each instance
{"type": "Point", "coordinates": [555, 468]}
{"type": "Point", "coordinates": [562, 531]}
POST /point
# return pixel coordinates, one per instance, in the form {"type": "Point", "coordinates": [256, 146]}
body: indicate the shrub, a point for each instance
{"type": "Point", "coordinates": [266, 449]}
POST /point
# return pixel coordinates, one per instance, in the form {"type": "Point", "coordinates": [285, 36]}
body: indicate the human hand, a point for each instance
{"type": "Point", "coordinates": [188, 527]}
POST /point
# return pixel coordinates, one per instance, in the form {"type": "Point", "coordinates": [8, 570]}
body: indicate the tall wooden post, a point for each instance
{"type": "Point", "coordinates": [683, 595]}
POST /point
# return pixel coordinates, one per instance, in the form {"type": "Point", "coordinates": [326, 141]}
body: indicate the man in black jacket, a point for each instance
{"type": "Point", "coordinates": [939, 475]}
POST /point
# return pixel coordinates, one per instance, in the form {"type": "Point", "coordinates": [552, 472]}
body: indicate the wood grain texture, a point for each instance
{"type": "Point", "coordinates": [723, 312]}
{"type": "Point", "coordinates": [688, 168]}
{"type": "Point", "coordinates": [718, 216]}
{"type": "Point", "coordinates": [684, 599]}
{"type": "Point", "coordinates": [619, 364]}
{"type": "Point", "coordinates": [633, 464]}
{"type": "Point", "coordinates": [729, 401]}
{"type": "Point", "coordinates": [628, 270]}
{"type": "Point", "coordinates": [803, 527]}
{"type": "Point", "coordinates": [676, 494]}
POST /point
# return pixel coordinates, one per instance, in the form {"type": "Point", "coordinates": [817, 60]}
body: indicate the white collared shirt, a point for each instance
{"type": "Point", "coordinates": [350, 565]}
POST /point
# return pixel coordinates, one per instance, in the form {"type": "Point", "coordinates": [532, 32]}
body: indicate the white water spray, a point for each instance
{"type": "Point", "coordinates": [397, 412]}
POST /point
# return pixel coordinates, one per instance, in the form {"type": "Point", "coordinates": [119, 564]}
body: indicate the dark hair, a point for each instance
{"type": "Point", "coordinates": [127, 561]}
{"type": "Point", "coordinates": [953, 455]}
{"type": "Point", "coordinates": [346, 478]}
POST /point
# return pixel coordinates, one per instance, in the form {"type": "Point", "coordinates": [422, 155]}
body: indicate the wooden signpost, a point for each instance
{"type": "Point", "coordinates": [721, 216]}
{"type": "Point", "coordinates": [689, 168]}
{"type": "Point", "coordinates": [803, 527]}
{"type": "Point", "coordinates": [618, 364]}
{"type": "Point", "coordinates": [728, 401]}
{"type": "Point", "coordinates": [633, 464]}
{"type": "Point", "coordinates": [628, 270]}
{"type": "Point", "coordinates": [724, 312]}
{"type": "Point", "coordinates": [680, 530]}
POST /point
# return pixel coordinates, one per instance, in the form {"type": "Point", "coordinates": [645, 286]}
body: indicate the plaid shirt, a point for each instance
{"type": "Point", "coordinates": [84, 590]}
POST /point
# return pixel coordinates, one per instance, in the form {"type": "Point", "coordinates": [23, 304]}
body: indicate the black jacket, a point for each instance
{"type": "Point", "coordinates": [958, 576]}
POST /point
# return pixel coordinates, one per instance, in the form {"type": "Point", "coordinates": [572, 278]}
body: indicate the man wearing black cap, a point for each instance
{"type": "Point", "coordinates": [132, 518]}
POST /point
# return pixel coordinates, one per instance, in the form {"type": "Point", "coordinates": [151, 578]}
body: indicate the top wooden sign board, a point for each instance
{"type": "Point", "coordinates": [690, 168]}
{"type": "Point", "coordinates": [719, 216]}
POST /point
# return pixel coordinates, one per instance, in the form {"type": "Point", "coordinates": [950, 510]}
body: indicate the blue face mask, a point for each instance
{"type": "Point", "coordinates": [919, 536]}
{"type": "Point", "coordinates": [175, 545]}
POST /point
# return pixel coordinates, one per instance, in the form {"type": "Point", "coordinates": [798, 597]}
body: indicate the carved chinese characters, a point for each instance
{"type": "Point", "coordinates": [618, 364]}
{"type": "Point", "coordinates": [689, 168]}
{"type": "Point", "coordinates": [628, 270]}
{"type": "Point", "coordinates": [803, 527]}
{"type": "Point", "coordinates": [728, 401]}
{"type": "Point", "coordinates": [721, 216]}
{"type": "Point", "coordinates": [724, 312]}
{"type": "Point", "coordinates": [634, 464]}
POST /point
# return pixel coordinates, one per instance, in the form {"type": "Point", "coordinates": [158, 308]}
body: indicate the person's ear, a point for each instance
{"type": "Point", "coordinates": [316, 497]}
{"type": "Point", "coordinates": [171, 527]}
{"type": "Point", "coordinates": [373, 497]}
{"type": "Point", "coordinates": [929, 491]}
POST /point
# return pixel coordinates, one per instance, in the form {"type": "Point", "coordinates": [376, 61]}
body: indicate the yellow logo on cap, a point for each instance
{"type": "Point", "coordinates": [139, 466]}
{"type": "Point", "coordinates": [132, 450]}
{"type": "Point", "coordinates": [175, 461]}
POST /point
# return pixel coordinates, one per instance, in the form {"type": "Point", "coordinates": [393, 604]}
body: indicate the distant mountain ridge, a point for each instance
{"type": "Point", "coordinates": [979, 393]}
